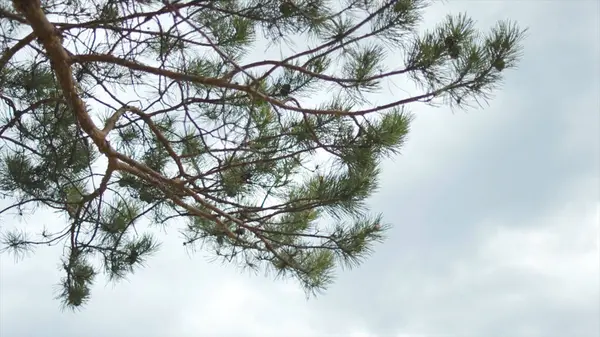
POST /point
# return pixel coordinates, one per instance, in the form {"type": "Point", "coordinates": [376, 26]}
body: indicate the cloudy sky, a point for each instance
{"type": "Point", "coordinates": [496, 215]}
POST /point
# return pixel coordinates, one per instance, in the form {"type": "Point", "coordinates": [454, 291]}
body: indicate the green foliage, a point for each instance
{"type": "Point", "coordinates": [155, 114]}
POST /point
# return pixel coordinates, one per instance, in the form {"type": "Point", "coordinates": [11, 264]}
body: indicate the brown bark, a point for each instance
{"type": "Point", "coordinates": [60, 60]}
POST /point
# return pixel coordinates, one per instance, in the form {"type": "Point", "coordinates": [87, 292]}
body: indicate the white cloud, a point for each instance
{"type": "Point", "coordinates": [513, 276]}
{"type": "Point", "coordinates": [562, 251]}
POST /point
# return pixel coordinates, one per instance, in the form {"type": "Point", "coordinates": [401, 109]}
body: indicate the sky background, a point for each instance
{"type": "Point", "coordinates": [496, 216]}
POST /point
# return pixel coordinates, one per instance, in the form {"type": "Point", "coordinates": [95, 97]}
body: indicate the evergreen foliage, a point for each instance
{"type": "Point", "coordinates": [116, 111]}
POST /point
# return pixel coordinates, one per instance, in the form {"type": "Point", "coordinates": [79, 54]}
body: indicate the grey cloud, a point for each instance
{"type": "Point", "coordinates": [509, 167]}
{"type": "Point", "coordinates": [516, 162]}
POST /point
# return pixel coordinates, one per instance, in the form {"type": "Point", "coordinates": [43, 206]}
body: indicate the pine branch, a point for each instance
{"type": "Point", "coordinates": [197, 133]}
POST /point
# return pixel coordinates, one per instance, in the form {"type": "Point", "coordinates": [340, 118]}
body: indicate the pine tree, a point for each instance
{"type": "Point", "coordinates": [124, 113]}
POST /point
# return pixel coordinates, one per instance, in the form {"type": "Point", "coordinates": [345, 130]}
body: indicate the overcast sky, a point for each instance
{"type": "Point", "coordinates": [496, 215]}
